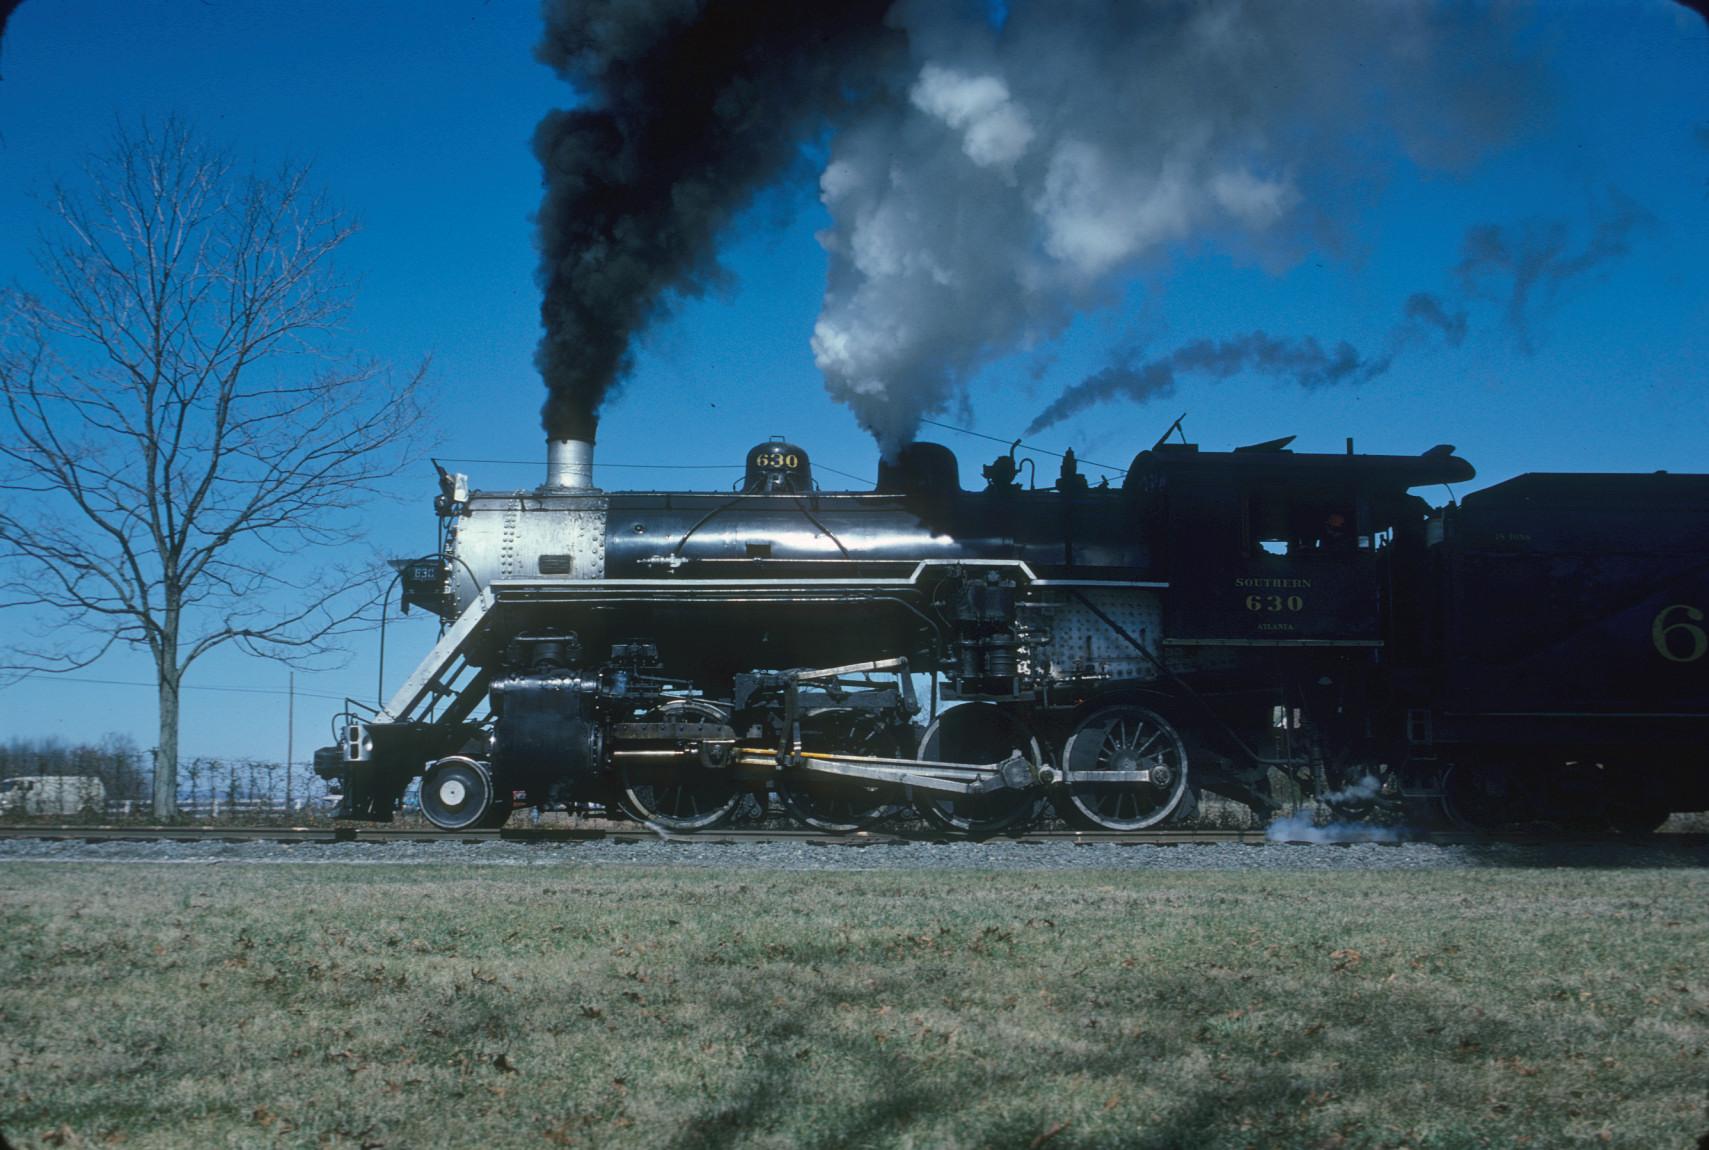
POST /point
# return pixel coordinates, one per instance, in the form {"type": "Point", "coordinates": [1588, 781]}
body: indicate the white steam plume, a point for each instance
{"type": "Point", "coordinates": [1303, 827]}
{"type": "Point", "coordinates": [1035, 164]}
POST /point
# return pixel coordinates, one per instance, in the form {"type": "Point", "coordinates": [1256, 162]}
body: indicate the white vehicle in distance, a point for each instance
{"type": "Point", "coordinates": [51, 795]}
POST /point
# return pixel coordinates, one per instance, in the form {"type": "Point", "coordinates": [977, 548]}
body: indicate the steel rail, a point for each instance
{"type": "Point", "coordinates": [637, 834]}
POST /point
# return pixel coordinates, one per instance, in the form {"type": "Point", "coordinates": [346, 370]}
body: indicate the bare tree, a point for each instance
{"type": "Point", "coordinates": [180, 425]}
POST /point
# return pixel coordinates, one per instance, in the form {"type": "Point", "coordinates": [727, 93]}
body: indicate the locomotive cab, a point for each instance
{"type": "Point", "coordinates": [1269, 548]}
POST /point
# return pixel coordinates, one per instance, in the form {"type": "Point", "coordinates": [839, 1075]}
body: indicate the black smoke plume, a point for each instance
{"type": "Point", "coordinates": [1528, 264]}
{"type": "Point", "coordinates": [7, 7]}
{"type": "Point", "coordinates": [1525, 266]}
{"type": "Point", "coordinates": [1429, 311]}
{"type": "Point", "coordinates": [691, 107]}
{"type": "Point", "coordinates": [1303, 361]}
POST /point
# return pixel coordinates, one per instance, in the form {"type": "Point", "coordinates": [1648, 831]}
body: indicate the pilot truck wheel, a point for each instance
{"type": "Point", "coordinates": [458, 794]}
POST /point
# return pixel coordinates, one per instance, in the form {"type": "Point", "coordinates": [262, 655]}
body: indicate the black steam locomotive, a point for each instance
{"type": "Point", "coordinates": [1221, 621]}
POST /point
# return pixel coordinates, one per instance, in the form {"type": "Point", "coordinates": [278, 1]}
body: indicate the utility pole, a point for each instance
{"type": "Point", "coordinates": [290, 738]}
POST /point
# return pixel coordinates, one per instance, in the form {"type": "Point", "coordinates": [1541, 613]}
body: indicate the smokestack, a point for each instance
{"type": "Point", "coordinates": [569, 463]}
{"type": "Point", "coordinates": [685, 109]}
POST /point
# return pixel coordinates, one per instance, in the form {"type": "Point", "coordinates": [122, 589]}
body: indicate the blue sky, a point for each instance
{"type": "Point", "coordinates": [417, 119]}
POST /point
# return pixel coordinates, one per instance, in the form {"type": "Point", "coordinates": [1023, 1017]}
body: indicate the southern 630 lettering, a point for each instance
{"type": "Point", "coordinates": [1275, 603]}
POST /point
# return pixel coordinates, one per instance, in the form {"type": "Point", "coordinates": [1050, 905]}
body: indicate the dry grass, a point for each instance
{"type": "Point", "coordinates": [416, 1007]}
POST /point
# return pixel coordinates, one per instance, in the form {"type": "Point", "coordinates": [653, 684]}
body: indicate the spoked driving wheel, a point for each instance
{"type": "Point", "coordinates": [1475, 797]}
{"type": "Point", "coordinates": [1126, 769]}
{"type": "Point", "coordinates": [827, 802]}
{"type": "Point", "coordinates": [691, 797]}
{"type": "Point", "coordinates": [458, 794]}
{"type": "Point", "coordinates": [980, 733]}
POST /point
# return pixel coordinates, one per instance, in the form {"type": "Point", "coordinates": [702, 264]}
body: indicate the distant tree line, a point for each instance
{"type": "Point", "coordinates": [205, 785]}
{"type": "Point", "coordinates": [124, 769]}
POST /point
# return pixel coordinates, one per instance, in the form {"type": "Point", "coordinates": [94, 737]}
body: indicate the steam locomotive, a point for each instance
{"type": "Point", "coordinates": [1242, 622]}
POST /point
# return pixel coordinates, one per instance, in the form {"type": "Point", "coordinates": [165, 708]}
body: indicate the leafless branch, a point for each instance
{"type": "Point", "coordinates": [178, 422]}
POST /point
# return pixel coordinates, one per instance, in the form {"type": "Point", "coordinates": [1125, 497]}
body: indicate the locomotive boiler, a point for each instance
{"type": "Point", "coordinates": [1221, 621]}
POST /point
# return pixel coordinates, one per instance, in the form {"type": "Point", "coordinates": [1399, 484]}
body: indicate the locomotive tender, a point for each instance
{"type": "Point", "coordinates": [1215, 621]}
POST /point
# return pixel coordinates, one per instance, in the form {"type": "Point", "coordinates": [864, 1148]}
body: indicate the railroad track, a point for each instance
{"type": "Point", "coordinates": [642, 835]}
{"type": "Point", "coordinates": [630, 834]}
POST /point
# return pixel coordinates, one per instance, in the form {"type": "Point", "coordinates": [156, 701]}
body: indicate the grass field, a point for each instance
{"type": "Point", "coordinates": [416, 1007]}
